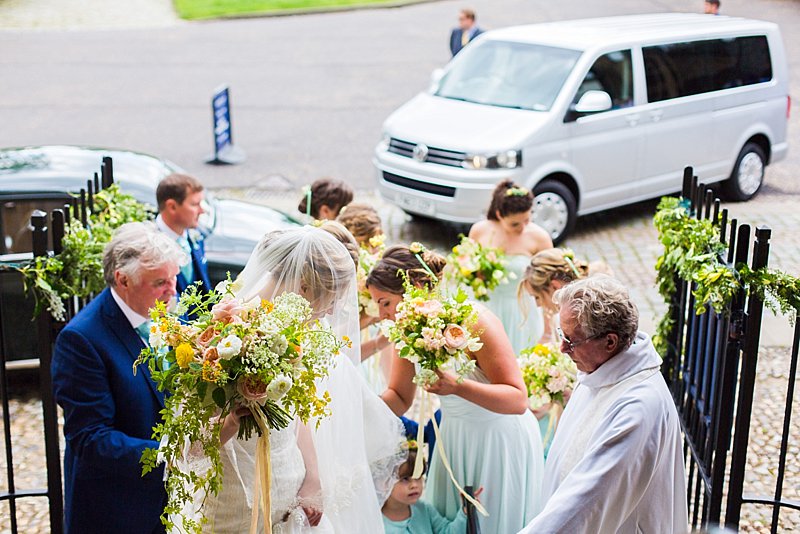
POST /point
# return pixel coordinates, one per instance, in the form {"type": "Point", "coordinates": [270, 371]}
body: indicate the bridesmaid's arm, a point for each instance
{"type": "Point", "coordinates": [399, 395]}
{"type": "Point", "coordinates": [506, 393]}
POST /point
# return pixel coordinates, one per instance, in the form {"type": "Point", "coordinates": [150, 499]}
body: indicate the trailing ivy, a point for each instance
{"type": "Point", "coordinates": [692, 250]}
{"type": "Point", "coordinates": [78, 270]}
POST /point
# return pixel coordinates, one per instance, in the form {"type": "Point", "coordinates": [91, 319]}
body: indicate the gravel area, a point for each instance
{"type": "Point", "coordinates": [87, 14]}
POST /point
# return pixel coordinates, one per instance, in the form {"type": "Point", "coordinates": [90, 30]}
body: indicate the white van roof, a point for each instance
{"type": "Point", "coordinates": [589, 33]}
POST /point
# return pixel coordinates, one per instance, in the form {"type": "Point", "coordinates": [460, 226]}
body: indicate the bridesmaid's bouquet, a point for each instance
{"type": "Point", "coordinates": [368, 258]}
{"type": "Point", "coordinates": [435, 331]}
{"type": "Point", "coordinates": [266, 356]}
{"type": "Point", "coordinates": [548, 374]}
{"type": "Point", "coordinates": [478, 267]}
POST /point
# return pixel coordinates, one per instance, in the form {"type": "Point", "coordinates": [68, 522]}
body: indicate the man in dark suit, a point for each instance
{"type": "Point", "coordinates": [180, 200]}
{"type": "Point", "coordinates": [109, 413]}
{"type": "Point", "coordinates": [467, 31]}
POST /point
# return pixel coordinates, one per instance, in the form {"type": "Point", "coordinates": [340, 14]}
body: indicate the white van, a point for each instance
{"type": "Point", "coordinates": [591, 114]}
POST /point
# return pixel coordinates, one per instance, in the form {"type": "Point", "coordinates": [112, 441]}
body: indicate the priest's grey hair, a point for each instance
{"type": "Point", "coordinates": [601, 304]}
{"type": "Point", "coordinates": [138, 246]}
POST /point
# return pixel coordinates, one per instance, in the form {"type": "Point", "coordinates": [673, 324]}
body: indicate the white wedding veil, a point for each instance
{"type": "Point", "coordinates": [358, 446]}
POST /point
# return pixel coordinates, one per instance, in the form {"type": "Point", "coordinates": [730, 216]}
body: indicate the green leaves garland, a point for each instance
{"type": "Point", "coordinates": [78, 270]}
{"type": "Point", "coordinates": [692, 249]}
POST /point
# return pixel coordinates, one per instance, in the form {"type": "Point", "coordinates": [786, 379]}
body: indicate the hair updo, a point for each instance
{"type": "Point", "coordinates": [507, 199]}
{"type": "Point", "coordinates": [326, 192]}
{"type": "Point", "coordinates": [362, 221]}
{"type": "Point", "coordinates": [386, 275]}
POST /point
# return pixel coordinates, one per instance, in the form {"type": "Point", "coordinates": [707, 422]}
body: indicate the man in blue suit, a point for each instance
{"type": "Point", "coordinates": [467, 31]}
{"type": "Point", "coordinates": [109, 413]}
{"type": "Point", "coordinates": [180, 200]}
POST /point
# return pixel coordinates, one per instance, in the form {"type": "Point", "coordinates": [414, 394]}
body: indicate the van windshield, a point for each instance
{"type": "Point", "coordinates": [508, 74]}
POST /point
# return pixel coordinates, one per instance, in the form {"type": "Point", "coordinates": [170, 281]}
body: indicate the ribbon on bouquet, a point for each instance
{"type": "Point", "coordinates": [425, 413]}
{"type": "Point", "coordinates": [261, 495]}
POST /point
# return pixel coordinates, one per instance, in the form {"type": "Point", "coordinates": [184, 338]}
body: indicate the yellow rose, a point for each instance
{"type": "Point", "coordinates": [184, 354]}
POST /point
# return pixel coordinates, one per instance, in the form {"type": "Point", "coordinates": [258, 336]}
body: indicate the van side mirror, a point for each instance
{"type": "Point", "coordinates": [436, 77]}
{"type": "Point", "coordinates": [593, 102]}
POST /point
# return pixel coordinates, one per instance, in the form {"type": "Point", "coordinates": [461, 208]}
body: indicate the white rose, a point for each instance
{"type": "Point", "coordinates": [229, 347]}
{"type": "Point", "coordinates": [279, 345]}
{"type": "Point", "coordinates": [279, 386]}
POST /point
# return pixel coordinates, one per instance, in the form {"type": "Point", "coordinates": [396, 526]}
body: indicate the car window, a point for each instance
{"type": "Point", "coordinates": [612, 73]}
{"type": "Point", "coordinates": [682, 69]}
{"type": "Point", "coordinates": [15, 220]}
{"type": "Point", "coordinates": [508, 74]}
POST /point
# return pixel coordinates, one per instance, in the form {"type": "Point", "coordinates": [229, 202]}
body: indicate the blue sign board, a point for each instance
{"type": "Point", "coordinates": [224, 151]}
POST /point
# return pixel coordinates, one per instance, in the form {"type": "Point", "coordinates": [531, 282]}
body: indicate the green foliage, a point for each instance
{"type": "Point", "coordinates": [78, 270]}
{"type": "Point", "coordinates": [205, 9]}
{"type": "Point", "coordinates": [692, 251]}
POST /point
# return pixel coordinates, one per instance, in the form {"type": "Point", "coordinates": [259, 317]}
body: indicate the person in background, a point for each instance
{"type": "Point", "coordinates": [180, 200]}
{"type": "Point", "coordinates": [110, 412]}
{"type": "Point", "coordinates": [325, 198]}
{"type": "Point", "coordinates": [467, 31]}
{"type": "Point", "coordinates": [616, 464]}
{"type": "Point", "coordinates": [711, 7]}
{"type": "Point", "coordinates": [364, 223]}
{"type": "Point", "coordinates": [508, 227]}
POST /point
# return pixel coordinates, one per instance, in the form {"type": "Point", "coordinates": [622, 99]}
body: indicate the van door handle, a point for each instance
{"type": "Point", "coordinates": [633, 120]}
{"type": "Point", "coordinates": [656, 115]}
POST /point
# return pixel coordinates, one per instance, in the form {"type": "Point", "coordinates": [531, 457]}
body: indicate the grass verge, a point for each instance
{"type": "Point", "coordinates": [205, 9]}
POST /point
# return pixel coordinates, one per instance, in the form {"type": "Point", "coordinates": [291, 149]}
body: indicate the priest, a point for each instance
{"type": "Point", "coordinates": [616, 463]}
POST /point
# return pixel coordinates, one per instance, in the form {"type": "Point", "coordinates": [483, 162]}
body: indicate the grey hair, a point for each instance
{"type": "Point", "coordinates": [601, 304]}
{"type": "Point", "coordinates": [136, 246]}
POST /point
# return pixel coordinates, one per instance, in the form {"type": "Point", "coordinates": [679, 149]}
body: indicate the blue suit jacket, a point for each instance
{"type": "Point", "coordinates": [455, 39]}
{"type": "Point", "coordinates": [200, 268]}
{"type": "Point", "coordinates": [109, 415]}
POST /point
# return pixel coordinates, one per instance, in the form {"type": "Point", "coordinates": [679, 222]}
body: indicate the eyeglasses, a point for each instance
{"type": "Point", "coordinates": [572, 345]}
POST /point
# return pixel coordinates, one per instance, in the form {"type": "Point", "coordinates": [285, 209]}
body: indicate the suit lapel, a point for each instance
{"type": "Point", "coordinates": [129, 339]}
{"type": "Point", "coordinates": [200, 270]}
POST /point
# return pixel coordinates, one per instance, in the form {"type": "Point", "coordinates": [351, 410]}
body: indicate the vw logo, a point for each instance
{"type": "Point", "coordinates": [420, 152]}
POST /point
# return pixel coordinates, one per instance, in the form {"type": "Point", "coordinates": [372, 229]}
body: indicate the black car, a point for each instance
{"type": "Point", "coordinates": [43, 178]}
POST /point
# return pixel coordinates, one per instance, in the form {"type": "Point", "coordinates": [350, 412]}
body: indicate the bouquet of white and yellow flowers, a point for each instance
{"type": "Point", "coordinates": [478, 267]}
{"type": "Point", "coordinates": [267, 356]}
{"type": "Point", "coordinates": [368, 258]}
{"type": "Point", "coordinates": [548, 374]}
{"type": "Point", "coordinates": [435, 331]}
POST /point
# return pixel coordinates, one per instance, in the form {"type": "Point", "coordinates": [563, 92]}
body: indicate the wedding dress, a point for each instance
{"type": "Point", "coordinates": [356, 449]}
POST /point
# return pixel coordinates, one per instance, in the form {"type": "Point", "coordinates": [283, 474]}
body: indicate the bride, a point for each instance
{"type": "Point", "coordinates": [327, 479]}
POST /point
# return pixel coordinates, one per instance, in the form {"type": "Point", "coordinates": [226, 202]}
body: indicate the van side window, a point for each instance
{"type": "Point", "coordinates": [613, 74]}
{"type": "Point", "coordinates": [683, 69]}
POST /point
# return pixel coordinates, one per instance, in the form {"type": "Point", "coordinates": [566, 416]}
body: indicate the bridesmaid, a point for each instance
{"type": "Point", "coordinates": [487, 432]}
{"type": "Point", "coordinates": [508, 227]}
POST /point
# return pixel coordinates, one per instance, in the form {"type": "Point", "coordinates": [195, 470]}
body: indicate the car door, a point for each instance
{"type": "Point", "coordinates": [605, 146]}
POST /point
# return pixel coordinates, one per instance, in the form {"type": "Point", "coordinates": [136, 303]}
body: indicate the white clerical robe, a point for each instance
{"type": "Point", "coordinates": [616, 463]}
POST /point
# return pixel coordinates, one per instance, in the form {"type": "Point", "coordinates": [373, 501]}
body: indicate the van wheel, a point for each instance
{"type": "Point", "coordinates": [748, 173]}
{"type": "Point", "coordinates": [554, 209]}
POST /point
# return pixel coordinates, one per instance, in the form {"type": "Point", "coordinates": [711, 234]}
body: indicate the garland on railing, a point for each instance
{"type": "Point", "coordinates": [692, 249]}
{"type": "Point", "coordinates": [77, 271]}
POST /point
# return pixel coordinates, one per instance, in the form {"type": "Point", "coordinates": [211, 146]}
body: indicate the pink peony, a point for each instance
{"type": "Point", "coordinates": [252, 389]}
{"type": "Point", "coordinates": [227, 309]}
{"type": "Point", "coordinates": [429, 308]}
{"type": "Point", "coordinates": [456, 337]}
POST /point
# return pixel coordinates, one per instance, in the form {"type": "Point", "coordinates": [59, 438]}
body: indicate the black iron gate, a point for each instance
{"type": "Point", "coordinates": [710, 367]}
{"type": "Point", "coordinates": [46, 329]}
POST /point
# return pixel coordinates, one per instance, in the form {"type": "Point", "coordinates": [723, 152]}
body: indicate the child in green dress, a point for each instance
{"type": "Point", "coordinates": [405, 513]}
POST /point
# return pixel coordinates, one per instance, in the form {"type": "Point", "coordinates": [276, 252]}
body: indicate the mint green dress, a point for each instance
{"type": "Point", "coordinates": [426, 520]}
{"type": "Point", "coordinates": [503, 302]}
{"type": "Point", "coordinates": [499, 452]}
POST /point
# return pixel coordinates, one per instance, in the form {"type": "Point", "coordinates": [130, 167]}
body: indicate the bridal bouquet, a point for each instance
{"type": "Point", "coordinates": [547, 373]}
{"type": "Point", "coordinates": [267, 356]}
{"type": "Point", "coordinates": [481, 268]}
{"type": "Point", "coordinates": [435, 331]}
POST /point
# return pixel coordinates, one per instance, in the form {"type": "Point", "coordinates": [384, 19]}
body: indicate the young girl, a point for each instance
{"type": "Point", "coordinates": [363, 222]}
{"type": "Point", "coordinates": [508, 227]}
{"type": "Point", "coordinates": [325, 198]}
{"type": "Point", "coordinates": [405, 513]}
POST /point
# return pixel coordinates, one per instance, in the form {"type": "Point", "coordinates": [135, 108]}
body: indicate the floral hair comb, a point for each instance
{"type": "Point", "coordinates": [517, 192]}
